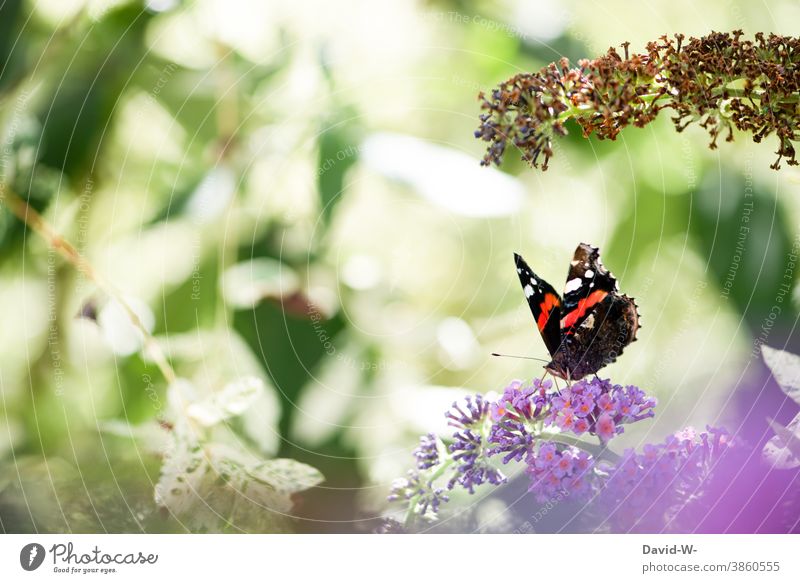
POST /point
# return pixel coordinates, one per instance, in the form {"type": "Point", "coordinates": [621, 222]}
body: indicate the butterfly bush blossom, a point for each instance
{"type": "Point", "coordinates": [720, 82]}
{"type": "Point", "coordinates": [550, 432]}
{"type": "Point", "coordinates": [641, 487]}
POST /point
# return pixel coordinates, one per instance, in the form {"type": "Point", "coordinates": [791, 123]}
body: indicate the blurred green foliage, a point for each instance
{"type": "Point", "coordinates": [171, 142]}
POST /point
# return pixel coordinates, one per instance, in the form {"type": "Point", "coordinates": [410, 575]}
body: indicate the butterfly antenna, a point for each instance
{"type": "Point", "coordinates": [522, 357]}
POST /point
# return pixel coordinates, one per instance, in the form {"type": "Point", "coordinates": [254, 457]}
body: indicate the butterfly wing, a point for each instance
{"type": "Point", "coordinates": [588, 284]}
{"type": "Point", "coordinates": [544, 302]}
{"type": "Point", "coordinates": [601, 336]}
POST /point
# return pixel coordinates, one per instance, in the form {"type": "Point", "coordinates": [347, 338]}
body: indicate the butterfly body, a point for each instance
{"type": "Point", "coordinates": [591, 325]}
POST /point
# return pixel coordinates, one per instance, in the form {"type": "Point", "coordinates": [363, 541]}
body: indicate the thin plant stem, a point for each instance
{"type": "Point", "coordinates": [599, 451]}
{"type": "Point", "coordinates": [227, 120]}
{"type": "Point", "coordinates": [412, 503]}
{"type": "Point", "coordinates": [28, 215]}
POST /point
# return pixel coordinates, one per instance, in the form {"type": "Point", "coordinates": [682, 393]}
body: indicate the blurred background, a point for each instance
{"type": "Point", "coordinates": [292, 190]}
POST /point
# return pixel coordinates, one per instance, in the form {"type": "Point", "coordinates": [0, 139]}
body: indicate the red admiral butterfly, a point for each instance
{"type": "Point", "coordinates": [593, 323]}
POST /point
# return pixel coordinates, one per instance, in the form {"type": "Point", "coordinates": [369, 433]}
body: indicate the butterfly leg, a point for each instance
{"type": "Point", "coordinates": [544, 376]}
{"type": "Point", "coordinates": [555, 382]}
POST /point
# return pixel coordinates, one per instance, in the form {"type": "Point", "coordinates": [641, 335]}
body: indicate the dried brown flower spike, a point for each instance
{"type": "Point", "coordinates": [719, 81]}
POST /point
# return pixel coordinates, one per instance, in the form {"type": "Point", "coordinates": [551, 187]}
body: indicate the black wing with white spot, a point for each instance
{"type": "Point", "coordinates": [586, 275]}
{"type": "Point", "coordinates": [544, 302]}
{"type": "Point", "coordinates": [588, 282]}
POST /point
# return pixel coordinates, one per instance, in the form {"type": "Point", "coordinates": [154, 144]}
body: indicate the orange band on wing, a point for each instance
{"type": "Point", "coordinates": [583, 306]}
{"type": "Point", "coordinates": [550, 301]}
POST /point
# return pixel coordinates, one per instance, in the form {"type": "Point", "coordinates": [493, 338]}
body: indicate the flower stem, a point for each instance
{"type": "Point", "coordinates": [598, 451]}
{"type": "Point", "coordinates": [442, 468]}
{"type": "Point", "coordinates": [67, 250]}
{"type": "Point", "coordinates": [578, 110]}
{"type": "Point", "coordinates": [412, 502]}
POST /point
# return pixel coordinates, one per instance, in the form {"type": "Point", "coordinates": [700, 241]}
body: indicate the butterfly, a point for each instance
{"type": "Point", "coordinates": [591, 325]}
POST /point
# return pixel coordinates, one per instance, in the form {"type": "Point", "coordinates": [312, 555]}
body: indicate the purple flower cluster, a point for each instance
{"type": "Point", "coordinates": [599, 408]}
{"type": "Point", "coordinates": [539, 426]}
{"type": "Point", "coordinates": [645, 489]}
{"type": "Point", "coordinates": [425, 497]}
{"type": "Point", "coordinates": [468, 414]}
{"type": "Point", "coordinates": [512, 415]}
{"type": "Point", "coordinates": [677, 466]}
{"type": "Point", "coordinates": [554, 472]}
{"type": "Point", "coordinates": [511, 437]}
{"type": "Point", "coordinates": [521, 401]}
{"type": "Point", "coordinates": [465, 464]}
{"type": "Point", "coordinates": [524, 411]}
{"type": "Point", "coordinates": [427, 453]}
{"type": "Point", "coordinates": [592, 406]}
{"type": "Point", "coordinates": [472, 467]}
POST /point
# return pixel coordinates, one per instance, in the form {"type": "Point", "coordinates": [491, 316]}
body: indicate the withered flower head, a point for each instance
{"type": "Point", "coordinates": [720, 81]}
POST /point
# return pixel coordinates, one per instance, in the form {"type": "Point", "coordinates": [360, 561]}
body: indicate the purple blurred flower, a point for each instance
{"type": "Point", "coordinates": [498, 410]}
{"type": "Point", "coordinates": [581, 426]}
{"type": "Point", "coordinates": [522, 401]}
{"type": "Point", "coordinates": [510, 437]}
{"type": "Point", "coordinates": [644, 486]}
{"type": "Point", "coordinates": [423, 494]}
{"type": "Point", "coordinates": [518, 426]}
{"type": "Point", "coordinates": [472, 464]}
{"type": "Point", "coordinates": [427, 453]}
{"type": "Point", "coordinates": [559, 470]}
{"type": "Point", "coordinates": [468, 413]}
{"type": "Point", "coordinates": [605, 428]}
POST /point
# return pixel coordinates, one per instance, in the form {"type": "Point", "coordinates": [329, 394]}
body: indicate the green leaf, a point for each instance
{"type": "Point", "coordinates": [20, 140]}
{"type": "Point", "coordinates": [213, 488]}
{"type": "Point", "coordinates": [652, 218]}
{"type": "Point", "coordinates": [292, 348]}
{"type": "Point", "coordinates": [246, 284]}
{"type": "Point", "coordinates": [783, 450]}
{"type": "Point", "coordinates": [182, 475]}
{"type": "Point", "coordinates": [286, 475]}
{"type": "Point", "coordinates": [338, 151]}
{"type": "Point", "coordinates": [785, 368]}
{"type": "Point", "coordinates": [211, 358]}
{"type": "Point", "coordinates": [741, 228]}
{"type": "Point", "coordinates": [13, 53]}
{"type": "Point", "coordinates": [234, 399]}
{"type": "Point", "coordinates": [77, 115]}
{"type": "Point", "coordinates": [150, 435]}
